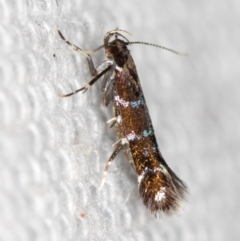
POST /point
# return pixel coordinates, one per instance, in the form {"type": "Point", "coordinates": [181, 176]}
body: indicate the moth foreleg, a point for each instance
{"type": "Point", "coordinates": [89, 84]}
{"type": "Point", "coordinates": [92, 68]}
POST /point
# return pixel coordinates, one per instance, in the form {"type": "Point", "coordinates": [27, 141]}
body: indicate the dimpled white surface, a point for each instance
{"type": "Point", "coordinates": [53, 150]}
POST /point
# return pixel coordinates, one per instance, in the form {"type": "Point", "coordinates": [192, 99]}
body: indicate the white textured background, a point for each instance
{"type": "Point", "coordinates": [53, 150]}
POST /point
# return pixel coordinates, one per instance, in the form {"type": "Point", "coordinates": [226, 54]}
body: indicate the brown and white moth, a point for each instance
{"type": "Point", "coordinates": [159, 187]}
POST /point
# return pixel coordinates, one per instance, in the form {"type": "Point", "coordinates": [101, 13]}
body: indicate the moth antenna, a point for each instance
{"type": "Point", "coordinates": [120, 30]}
{"type": "Point", "coordinates": [115, 32]}
{"type": "Point", "coordinates": [158, 46]}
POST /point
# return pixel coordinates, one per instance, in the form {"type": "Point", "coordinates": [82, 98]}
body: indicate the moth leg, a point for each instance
{"type": "Point", "coordinates": [114, 120]}
{"type": "Point", "coordinates": [109, 162]}
{"type": "Point", "coordinates": [92, 69]}
{"type": "Point", "coordinates": [89, 84]}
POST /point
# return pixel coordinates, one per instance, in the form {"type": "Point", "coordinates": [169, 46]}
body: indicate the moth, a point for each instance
{"type": "Point", "coordinates": [159, 187]}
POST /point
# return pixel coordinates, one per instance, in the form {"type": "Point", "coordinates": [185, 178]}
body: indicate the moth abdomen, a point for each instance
{"type": "Point", "coordinates": [161, 191]}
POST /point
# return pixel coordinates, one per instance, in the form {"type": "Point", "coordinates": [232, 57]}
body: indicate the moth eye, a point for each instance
{"type": "Point", "coordinates": [114, 50]}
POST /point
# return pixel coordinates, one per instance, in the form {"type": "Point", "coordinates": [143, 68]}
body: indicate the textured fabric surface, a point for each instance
{"type": "Point", "coordinates": [53, 150]}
